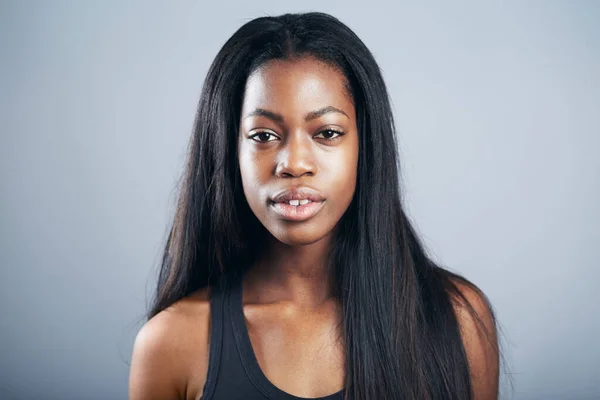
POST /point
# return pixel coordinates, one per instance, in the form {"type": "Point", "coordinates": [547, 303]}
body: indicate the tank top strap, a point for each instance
{"type": "Point", "coordinates": [217, 307]}
{"type": "Point", "coordinates": [226, 377]}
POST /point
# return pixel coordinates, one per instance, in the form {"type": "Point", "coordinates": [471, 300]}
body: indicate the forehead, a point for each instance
{"type": "Point", "coordinates": [296, 86]}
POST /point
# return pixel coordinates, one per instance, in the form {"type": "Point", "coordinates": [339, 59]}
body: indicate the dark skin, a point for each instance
{"type": "Point", "coordinates": [292, 318]}
{"type": "Point", "coordinates": [306, 137]}
{"type": "Point", "coordinates": [285, 151]}
{"type": "Point", "coordinates": [293, 321]}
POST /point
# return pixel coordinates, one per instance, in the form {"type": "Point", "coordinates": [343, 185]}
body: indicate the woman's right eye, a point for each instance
{"type": "Point", "coordinates": [263, 137]}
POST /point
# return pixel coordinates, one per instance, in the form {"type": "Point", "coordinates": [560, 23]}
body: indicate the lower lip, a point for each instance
{"type": "Point", "coordinates": [297, 213]}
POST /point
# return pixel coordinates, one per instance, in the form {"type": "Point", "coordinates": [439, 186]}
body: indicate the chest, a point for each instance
{"type": "Point", "coordinates": [299, 352]}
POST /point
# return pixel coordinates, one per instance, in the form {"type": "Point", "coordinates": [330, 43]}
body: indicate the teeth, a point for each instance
{"type": "Point", "coordinates": [297, 203]}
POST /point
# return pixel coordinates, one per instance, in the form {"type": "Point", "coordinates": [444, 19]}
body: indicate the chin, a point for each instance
{"type": "Point", "coordinates": [297, 235]}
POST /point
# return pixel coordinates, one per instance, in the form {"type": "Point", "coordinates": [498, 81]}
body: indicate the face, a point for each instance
{"type": "Point", "coordinates": [298, 148]}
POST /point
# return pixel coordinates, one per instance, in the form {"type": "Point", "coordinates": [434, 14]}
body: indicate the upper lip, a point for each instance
{"type": "Point", "coordinates": [299, 193]}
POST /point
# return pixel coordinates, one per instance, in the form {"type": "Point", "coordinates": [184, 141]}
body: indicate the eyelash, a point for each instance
{"type": "Point", "coordinates": [339, 134]}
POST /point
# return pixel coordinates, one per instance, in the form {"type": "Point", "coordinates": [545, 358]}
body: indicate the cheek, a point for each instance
{"type": "Point", "coordinates": [252, 172]}
{"type": "Point", "coordinates": [342, 169]}
{"type": "Point", "coordinates": [247, 171]}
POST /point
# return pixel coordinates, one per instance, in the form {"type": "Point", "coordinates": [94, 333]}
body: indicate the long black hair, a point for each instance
{"type": "Point", "coordinates": [401, 335]}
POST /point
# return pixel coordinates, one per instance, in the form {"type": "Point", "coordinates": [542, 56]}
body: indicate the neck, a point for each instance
{"type": "Point", "coordinates": [296, 274]}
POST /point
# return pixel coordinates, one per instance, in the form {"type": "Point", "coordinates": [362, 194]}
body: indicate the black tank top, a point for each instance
{"type": "Point", "coordinates": [233, 370]}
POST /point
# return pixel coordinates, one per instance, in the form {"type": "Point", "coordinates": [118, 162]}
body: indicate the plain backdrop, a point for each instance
{"type": "Point", "coordinates": [497, 107]}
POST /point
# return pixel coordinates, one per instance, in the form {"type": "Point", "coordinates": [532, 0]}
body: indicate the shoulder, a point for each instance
{"type": "Point", "coordinates": [477, 326]}
{"type": "Point", "coordinates": [170, 352]}
{"type": "Point", "coordinates": [468, 298]}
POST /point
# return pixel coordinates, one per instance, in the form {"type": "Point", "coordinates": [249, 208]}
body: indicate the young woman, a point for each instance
{"type": "Point", "coordinates": [291, 270]}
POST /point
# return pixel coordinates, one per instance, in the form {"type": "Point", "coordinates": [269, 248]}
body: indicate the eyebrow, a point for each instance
{"type": "Point", "coordinates": [308, 117]}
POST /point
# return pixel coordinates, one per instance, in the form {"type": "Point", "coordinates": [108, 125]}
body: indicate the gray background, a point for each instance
{"type": "Point", "coordinates": [497, 107]}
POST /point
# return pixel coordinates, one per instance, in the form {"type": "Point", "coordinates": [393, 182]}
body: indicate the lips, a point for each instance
{"type": "Point", "coordinates": [301, 193]}
{"type": "Point", "coordinates": [297, 204]}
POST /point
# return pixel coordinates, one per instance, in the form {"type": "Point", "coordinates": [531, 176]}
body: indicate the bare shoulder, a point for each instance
{"type": "Point", "coordinates": [170, 352]}
{"type": "Point", "coordinates": [478, 330]}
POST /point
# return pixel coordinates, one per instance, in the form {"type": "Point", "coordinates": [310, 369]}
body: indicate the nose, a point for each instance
{"type": "Point", "coordinates": [296, 158]}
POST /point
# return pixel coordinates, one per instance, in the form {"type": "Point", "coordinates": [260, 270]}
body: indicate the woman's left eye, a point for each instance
{"type": "Point", "coordinates": [330, 134]}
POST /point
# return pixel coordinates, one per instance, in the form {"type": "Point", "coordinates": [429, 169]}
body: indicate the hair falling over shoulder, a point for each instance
{"type": "Point", "coordinates": [401, 332]}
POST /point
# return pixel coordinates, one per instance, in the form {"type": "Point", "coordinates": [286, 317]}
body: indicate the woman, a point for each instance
{"type": "Point", "coordinates": [291, 270]}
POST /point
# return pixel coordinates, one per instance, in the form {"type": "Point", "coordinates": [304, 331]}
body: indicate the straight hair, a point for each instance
{"type": "Point", "coordinates": [400, 331]}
